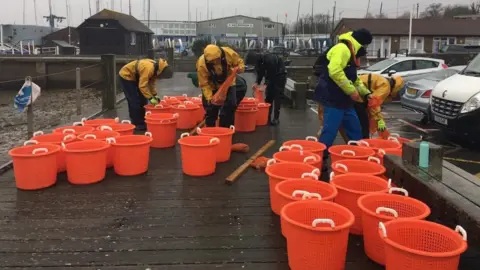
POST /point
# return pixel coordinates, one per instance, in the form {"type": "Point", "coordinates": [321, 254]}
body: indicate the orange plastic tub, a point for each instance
{"type": "Point", "coordinates": [351, 187]}
{"type": "Point", "coordinates": [100, 122]}
{"type": "Point", "coordinates": [422, 245]}
{"type": "Point", "coordinates": [102, 135]}
{"type": "Point", "coordinates": [341, 152]}
{"type": "Point", "coordinates": [278, 172]}
{"type": "Point", "coordinates": [248, 102]}
{"type": "Point", "coordinates": [262, 114]}
{"type": "Point", "coordinates": [76, 128]}
{"type": "Point", "coordinates": [86, 161]}
{"type": "Point", "coordinates": [200, 112]}
{"type": "Point", "coordinates": [382, 152]}
{"type": "Point", "coordinates": [372, 166]}
{"type": "Point", "coordinates": [309, 144]}
{"type": "Point", "coordinates": [317, 234]}
{"type": "Point", "coordinates": [381, 207]}
{"type": "Point", "coordinates": [246, 119]}
{"type": "Point", "coordinates": [159, 108]}
{"type": "Point", "coordinates": [163, 127]}
{"type": "Point", "coordinates": [377, 144]}
{"type": "Point", "coordinates": [187, 115]}
{"type": "Point", "coordinates": [199, 154]}
{"type": "Point", "coordinates": [123, 128]}
{"type": "Point", "coordinates": [131, 148]}
{"type": "Point", "coordinates": [55, 138]}
{"type": "Point", "coordinates": [287, 155]}
{"type": "Point", "coordinates": [225, 135]}
{"type": "Point", "coordinates": [396, 138]}
{"type": "Point", "coordinates": [179, 98]}
{"type": "Point", "coordinates": [35, 166]}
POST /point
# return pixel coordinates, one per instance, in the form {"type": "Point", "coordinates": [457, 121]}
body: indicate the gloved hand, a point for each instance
{"type": "Point", "coordinates": [154, 101]}
{"type": "Point", "coordinates": [381, 125]}
{"type": "Point", "coordinates": [355, 96]}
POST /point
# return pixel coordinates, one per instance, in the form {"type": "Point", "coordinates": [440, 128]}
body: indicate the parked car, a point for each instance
{"type": "Point", "coordinates": [417, 95]}
{"type": "Point", "coordinates": [403, 53]}
{"type": "Point", "coordinates": [455, 102]}
{"type": "Point", "coordinates": [460, 48]}
{"type": "Point", "coordinates": [407, 67]}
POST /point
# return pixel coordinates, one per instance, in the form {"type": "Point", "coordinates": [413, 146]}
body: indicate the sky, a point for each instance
{"type": "Point", "coordinates": [178, 9]}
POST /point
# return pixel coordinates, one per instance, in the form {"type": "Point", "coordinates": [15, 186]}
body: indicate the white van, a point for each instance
{"type": "Point", "coordinates": [455, 102]}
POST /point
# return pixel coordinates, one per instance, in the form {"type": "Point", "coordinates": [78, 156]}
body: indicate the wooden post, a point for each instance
{"type": "Point", "coordinates": [300, 96]}
{"type": "Point", "coordinates": [170, 57]}
{"type": "Point", "coordinates": [30, 117]}
{"type": "Point", "coordinates": [410, 155]}
{"type": "Point", "coordinates": [109, 97]}
{"type": "Point", "coordinates": [78, 95]}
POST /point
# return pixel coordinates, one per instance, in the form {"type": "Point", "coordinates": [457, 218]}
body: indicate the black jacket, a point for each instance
{"type": "Point", "coordinates": [270, 66]}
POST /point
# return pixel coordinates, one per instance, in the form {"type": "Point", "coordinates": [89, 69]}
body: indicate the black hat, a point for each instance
{"type": "Point", "coordinates": [363, 36]}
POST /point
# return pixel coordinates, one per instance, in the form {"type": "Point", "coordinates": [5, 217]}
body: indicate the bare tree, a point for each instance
{"type": "Point", "coordinates": [405, 15]}
{"type": "Point", "coordinates": [475, 7]}
{"type": "Point", "coordinates": [434, 10]}
{"type": "Point", "coordinates": [456, 10]}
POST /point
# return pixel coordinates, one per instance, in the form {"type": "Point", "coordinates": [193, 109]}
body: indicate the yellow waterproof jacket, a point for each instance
{"type": "Point", "coordinates": [379, 87]}
{"type": "Point", "coordinates": [204, 79]}
{"type": "Point", "coordinates": [147, 80]}
{"type": "Point", "coordinates": [339, 57]}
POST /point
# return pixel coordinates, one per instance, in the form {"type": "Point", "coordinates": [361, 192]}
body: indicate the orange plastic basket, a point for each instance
{"type": "Point", "coordinates": [172, 100]}
{"type": "Point", "coordinates": [317, 234]}
{"type": "Point", "coordinates": [159, 108]}
{"type": "Point", "coordinates": [187, 115]}
{"type": "Point", "coordinates": [421, 245]}
{"type": "Point", "coordinates": [100, 122]}
{"type": "Point", "coordinates": [225, 135]}
{"type": "Point", "coordinates": [376, 144]}
{"type": "Point", "coordinates": [372, 166]}
{"type": "Point", "coordinates": [199, 154]}
{"type": "Point", "coordinates": [35, 166]}
{"type": "Point", "coordinates": [102, 135]}
{"type": "Point", "coordinates": [278, 172]}
{"type": "Point", "coordinates": [262, 114]}
{"type": "Point", "coordinates": [131, 148]}
{"type": "Point", "coordinates": [309, 144]}
{"type": "Point", "coordinates": [181, 98]}
{"type": "Point", "coordinates": [396, 137]}
{"type": "Point", "coordinates": [341, 152]}
{"type": "Point", "coordinates": [200, 112]}
{"type": "Point", "coordinates": [382, 152]}
{"type": "Point", "coordinates": [246, 119]}
{"type": "Point", "coordinates": [248, 102]}
{"type": "Point", "coordinates": [380, 207]}
{"type": "Point", "coordinates": [55, 138]}
{"type": "Point", "coordinates": [287, 154]}
{"type": "Point", "coordinates": [76, 128]}
{"type": "Point", "coordinates": [352, 186]}
{"type": "Point", "coordinates": [163, 127]}
{"type": "Point", "coordinates": [86, 161]}
{"type": "Point", "coordinates": [123, 128]}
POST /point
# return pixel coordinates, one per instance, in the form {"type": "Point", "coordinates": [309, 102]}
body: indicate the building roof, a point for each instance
{"type": "Point", "coordinates": [72, 29]}
{"type": "Point", "coordinates": [128, 22]}
{"type": "Point", "coordinates": [63, 44]}
{"type": "Point", "coordinates": [234, 16]}
{"type": "Point", "coordinates": [420, 27]}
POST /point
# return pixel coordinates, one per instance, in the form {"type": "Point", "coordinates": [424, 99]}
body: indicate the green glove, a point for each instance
{"type": "Point", "coordinates": [194, 77]}
{"type": "Point", "coordinates": [381, 125]}
{"type": "Point", "coordinates": [154, 101]}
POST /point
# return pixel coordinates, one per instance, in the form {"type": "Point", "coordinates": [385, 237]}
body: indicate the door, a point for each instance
{"type": "Point", "coordinates": [402, 69]}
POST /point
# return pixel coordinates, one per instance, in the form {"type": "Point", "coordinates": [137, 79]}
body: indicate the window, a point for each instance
{"type": "Point", "coordinates": [425, 64]}
{"type": "Point", "coordinates": [133, 38]}
{"type": "Point", "coordinates": [400, 67]}
{"type": "Point", "coordinates": [381, 65]}
{"type": "Point", "coordinates": [379, 44]}
{"type": "Point", "coordinates": [416, 44]}
{"type": "Point", "coordinates": [212, 25]}
{"type": "Point", "coordinates": [269, 26]}
{"type": "Point", "coordinates": [439, 42]}
{"type": "Point", "coordinates": [472, 41]}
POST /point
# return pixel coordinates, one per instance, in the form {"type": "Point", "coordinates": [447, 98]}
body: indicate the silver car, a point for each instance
{"type": "Point", "coordinates": [417, 94]}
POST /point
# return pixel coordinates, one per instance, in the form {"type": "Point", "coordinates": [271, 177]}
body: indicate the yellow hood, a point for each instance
{"type": "Point", "coordinates": [348, 36]}
{"type": "Point", "coordinates": [212, 52]}
{"type": "Point", "coordinates": [399, 83]}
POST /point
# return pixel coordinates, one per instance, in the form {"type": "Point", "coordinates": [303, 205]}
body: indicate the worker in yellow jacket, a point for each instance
{"type": "Point", "coordinates": [213, 68]}
{"type": "Point", "coordinates": [138, 81]}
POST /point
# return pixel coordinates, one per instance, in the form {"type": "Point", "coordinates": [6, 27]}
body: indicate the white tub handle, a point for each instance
{"type": "Point", "coordinates": [63, 145]}
{"type": "Point", "coordinates": [187, 102]}
{"type": "Point", "coordinates": [310, 195]}
{"type": "Point", "coordinates": [148, 134]}
{"type": "Point", "coordinates": [176, 115]}
{"type": "Point", "coordinates": [199, 130]}
{"type": "Point", "coordinates": [67, 137]}
{"type": "Point", "coordinates": [311, 138]}
{"type": "Point", "coordinates": [111, 140]}
{"type": "Point", "coordinates": [389, 182]}
{"type": "Point", "coordinates": [323, 221]}
{"type": "Point", "coordinates": [185, 95]}
{"type": "Point", "coordinates": [381, 151]}
{"type": "Point", "coordinates": [117, 119]}
{"type": "Point", "coordinates": [284, 148]}
{"type": "Point", "coordinates": [382, 227]}
{"type": "Point", "coordinates": [126, 122]}
{"type": "Point", "coordinates": [159, 106]}
{"type": "Point", "coordinates": [393, 139]}
{"type": "Point", "coordinates": [402, 190]}
{"type": "Point", "coordinates": [91, 136]}
{"type": "Point", "coordinates": [270, 162]}
{"type": "Point", "coordinates": [214, 140]}
{"type": "Point", "coordinates": [184, 135]}
{"type": "Point", "coordinates": [316, 171]}
{"type": "Point", "coordinates": [364, 143]}
{"type": "Point", "coordinates": [332, 174]}
{"type": "Point", "coordinates": [395, 135]}
{"type": "Point", "coordinates": [295, 193]}
{"type": "Point", "coordinates": [78, 124]}
{"type": "Point", "coordinates": [309, 158]}
{"type": "Point", "coordinates": [181, 106]}
{"type": "Point", "coordinates": [298, 146]}
{"type": "Point", "coordinates": [102, 128]}
{"type": "Point", "coordinates": [347, 152]}
{"type": "Point", "coordinates": [37, 133]}
{"type": "Point", "coordinates": [342, 166]}
{"type": "Point", "coordinates": [462, 231]}
{"type": "Point", "coordinates": [36, 150]}
{"type": "Point", "coordinates": [68, 130]}
{"type": "Point", "coordinates": [353, 143]}
{"type": "Point", "coordinates": [374, 159]}
{"type": "Point", "coordinates": [30, 142]}
{"type": "Point", "coordinates": [387, 210]}
{"type": "Point", "coordinates": [250, 98]}
{"type": "Point", "coordinates": [232, 127]}
{"type": "Point", "coordinates": [307, 174]}
{"type": "Point", "coordinates": [165, 121]}
{"type": "Point", "coordinates": [148, 113]}
{"type": "Point", "coordinates": [83, 120]}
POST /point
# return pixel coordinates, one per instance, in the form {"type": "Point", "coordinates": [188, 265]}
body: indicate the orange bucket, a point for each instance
{"type": "Point", "coordinates": [187, 115]}
{"type": "Point", "coordinates": [262, 115]}
{"type": "Point", "coordinates": [99, 122]}
{"type": "Point", "coordinates": [396, 138]}
{"type": "Point", "coordinates": [317, 234]}
{"type": "Point", "coordinates": [54, 138]}
{"type": "Point", "coordinates": [199, 154]}
{"type": "Point", "coordinates": [163, 127]}
{"type": "Point", "coordinates": [286, 154]}
{"type": "Point", "coordinates": [248, 102]}
{"type": "Point", "coordinates": [310, 144]}
{"type": "Point", "coordinates": [159, 108]}
{"type": "Point", "coordinates": [200, 112]}
{"type": "Point", "coordinates": [123, 128]}
{"type": "Point", "coordinates": [178, 98]}
{"type": "Point", "coordinates": [422, 245]}
{"type": "Point", "coordinates": [103, 136]}
{"type": "Point", "coordinates": [86, 161]}
{"type": "Point", "coordinates": [382, 152]}
{"type": "Point", "coordinates": [380, 207]}
{"type": "Point", "coordinates": [225, 135]}
{"type": "Point", "coordinates": [341, 152]}
{"type": "Point", "coordinates": [372, 167]}
{"type": "Point", "coordinates": [76, 128]}
{"type": "Point", "coordinates": [246, 119]}
{"type": "Point", "coordinates": [352, 186]}
{"type": "Point", "coordinates": [377, 144]}
{"type": "Point", "coordinates": [278, 172]}
{"type": "Point", "coordinates": [35, 166]}
{"type": "Point", "coordinates": [131, 148]}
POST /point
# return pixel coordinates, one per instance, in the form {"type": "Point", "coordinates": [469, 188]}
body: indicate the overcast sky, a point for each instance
{"type": "Point", "coordinates": [12, 11]}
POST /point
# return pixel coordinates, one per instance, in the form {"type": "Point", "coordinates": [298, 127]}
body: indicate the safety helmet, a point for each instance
{"type": "Point", "coordinates": [396, 83]}
{"type": "Point", "coordinates": [211, 53]}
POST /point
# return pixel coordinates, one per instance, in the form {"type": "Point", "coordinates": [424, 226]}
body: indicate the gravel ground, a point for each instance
{"type": "Point", "coordinates": [53, 108]}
